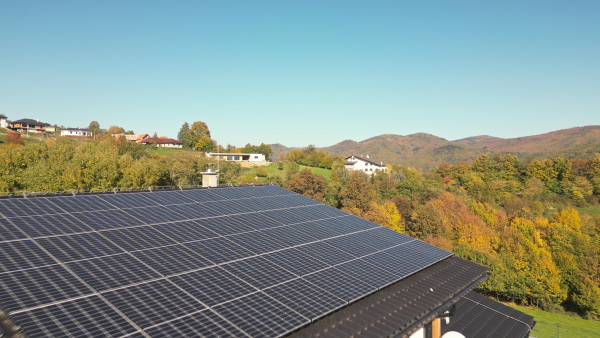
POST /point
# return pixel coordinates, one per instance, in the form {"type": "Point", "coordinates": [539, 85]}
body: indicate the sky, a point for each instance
{"type": "Point", "coordinates": [303, 72]}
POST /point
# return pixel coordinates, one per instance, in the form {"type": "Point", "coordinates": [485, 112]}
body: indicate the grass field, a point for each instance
{"type": "Point", "coordinates": [553, 325]}
{"type": "Point", "coordinates": [595, 210]}
{"type": "Point", "coordinates": [273, 170]}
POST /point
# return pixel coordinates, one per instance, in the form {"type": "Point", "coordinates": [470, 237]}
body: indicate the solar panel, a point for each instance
{"type": "Point", "coordinates": [110, 272]}
{"type": "Point", "coordinates": [340, 284]}
{"type": "Point", "coordinates": [259, 272]}
{"type": "Point", "coordinates": [296, 261]}
{"type": "Point", "coordinates": [131, 200]}
{"type": "Point", "coordinates": [9, 232]}
{"type": "Point", "coordinates": [138, 238]}
{"type": "Point", "coordinates": [185, 231]}
{"type": "Point", "coordinates": [213, 285]}
{"type": "Point", "coordinates": [239, 261]}
{"type": "Point", "coordinates": [150, 303]}
{"type": "Point", "coordinates": [305, 298]}
{"type": "Point", "coordinates": [172, 259]}
{"type": "Point", "coordinates": [49, 225]}
{"type": "Point", "coordinates": [258, 315]}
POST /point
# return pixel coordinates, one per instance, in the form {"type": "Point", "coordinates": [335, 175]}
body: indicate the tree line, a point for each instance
{"type": "Point", "coordinates": [518, 218]}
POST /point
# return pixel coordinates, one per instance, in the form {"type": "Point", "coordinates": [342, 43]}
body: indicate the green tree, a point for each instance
{"type": "Point", "coordinates": [95, 127]}
{"type": "Point", "coordinates": [182, 134]}
{"type": "Point", "coordinates": [198, 135]}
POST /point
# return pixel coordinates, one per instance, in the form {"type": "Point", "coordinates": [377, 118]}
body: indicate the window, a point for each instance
{"type": "Point", "coordinates": [229, 158]}
{"type": "Point", "coordinates": [237, 158]}
{"type": "Point", "coordinates": [256, 157]}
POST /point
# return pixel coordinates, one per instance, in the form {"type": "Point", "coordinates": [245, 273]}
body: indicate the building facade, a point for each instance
{"type": "Point", "coordinates": [364, 164]}
{"type": "Point", "coordinates": [76, 132]}
{"type": "Point", "coordinates": [238, 157]}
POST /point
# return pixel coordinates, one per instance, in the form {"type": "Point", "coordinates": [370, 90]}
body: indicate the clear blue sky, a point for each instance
{"type": "Point", "coordinates": [303, 72]}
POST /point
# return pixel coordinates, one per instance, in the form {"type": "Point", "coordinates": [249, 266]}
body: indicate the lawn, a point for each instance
{"type": "Point", "coordinates": [595, 210]}
{"type": "Point", "coordinates": [552, 325]}
{"type": "Point", "coordinates": [273, 170]}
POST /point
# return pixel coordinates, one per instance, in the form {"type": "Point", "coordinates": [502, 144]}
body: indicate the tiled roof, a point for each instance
{"type": "Point", "coordinates": [479, 316]}
{"type": "Point", "coordinates": [404, 306]}
{"type": "Point", "coordinates": [161, 141]}
{"type": "Point", "coordinates": [369, 160]}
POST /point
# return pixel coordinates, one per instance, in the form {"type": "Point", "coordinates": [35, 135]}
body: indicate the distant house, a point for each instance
{"type": "Point", "coordinates": [76, 132]}
{"type": "Point", "coordinates": [28, 125]}
{"type": "Point", "coordinates": [364, 164]}
{"type": "Point", "coordinates": [162, 142]}
{"type": "Point", "coordinates": [132, 138]}
{"type": "Point", "coordinates": [3, 121]}
{"type": "Point", "coordinates": [238, 157]}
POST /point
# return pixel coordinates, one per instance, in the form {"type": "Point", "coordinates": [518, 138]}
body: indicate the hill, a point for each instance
{"type": "Point", "coordinates": [426, 151]}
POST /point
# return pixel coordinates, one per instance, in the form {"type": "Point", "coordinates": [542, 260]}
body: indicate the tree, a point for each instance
{"type": "Point", "coordinates": [14, 138]}
{"type": "Point", "coordinates": [115, 130]}
{"type": "Point", "coordinates": [195, 134]}
{"type": "Point", "coordinates": [181, 136]}
{"type": "Point", "coordinates": [308, 184]}
{"type": "Point", "coordinates": [155, 135]}
{"type": "Point", "coordinates": [95, 127]}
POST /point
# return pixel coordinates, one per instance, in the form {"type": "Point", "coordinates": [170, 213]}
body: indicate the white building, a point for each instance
{"type": "Point", "coordinates": [238, 157]}
{"type": "Point", "coordinates": [3, 121]}
{"type": "Point", "coordinates": [76, 132]}
{"type": "Point", "coordinates": [364, 164]}
{"type": "Point", "coordinates": [162, 142]}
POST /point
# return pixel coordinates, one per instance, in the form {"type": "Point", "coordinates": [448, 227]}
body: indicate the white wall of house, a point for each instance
{"type": "Point", "coordinates": [365, 166]}
{"type": "Point", "coordinates": [238, 157]}
{"type": "Point", "coordinates": [169, 145]}
{"type": "Point", "coordinates": [75, 132]}
{"type": "Point", "coordinates": [3, 123]}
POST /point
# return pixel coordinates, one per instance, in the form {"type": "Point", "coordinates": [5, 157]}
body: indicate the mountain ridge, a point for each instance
{"type": "Point", "coordinates": [425, 151]}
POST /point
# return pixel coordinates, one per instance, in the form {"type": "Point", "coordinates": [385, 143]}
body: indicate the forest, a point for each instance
{"type": "Point", "coordinates": [519, 218]}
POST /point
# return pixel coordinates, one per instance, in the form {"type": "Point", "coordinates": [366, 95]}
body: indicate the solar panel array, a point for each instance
{"type": "Point", "coordinates": [236, 261]}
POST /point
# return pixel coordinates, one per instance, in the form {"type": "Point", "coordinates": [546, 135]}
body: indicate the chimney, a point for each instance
{"type": "Point", "coordinates": [210, 178]}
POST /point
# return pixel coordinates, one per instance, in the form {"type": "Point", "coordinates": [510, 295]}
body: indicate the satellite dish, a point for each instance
{"type": "Point", "coordinates": [453, 334]}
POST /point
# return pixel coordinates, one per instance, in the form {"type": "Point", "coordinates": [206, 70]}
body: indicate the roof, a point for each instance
{"type": "Point", "coordinates": [29, 121]}
{"type": "Point", "coordinates": [2, 116]}
{"type": "Point", "coordinates": [374, 162]}
{"type": "Point", "coordinates": [494, 319]}
{"type": "Point", "coordinates": [95, 265]}
{"type": "Point", "coordinates": [161, 141]}
{"type": "Point", "coordinates": [400, 307]}
{"type": "Point", "coordinates": [77, 129]}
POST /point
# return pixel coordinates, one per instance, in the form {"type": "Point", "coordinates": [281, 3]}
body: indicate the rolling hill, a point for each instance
{"type": "Point", "coordinates": [426, 151]}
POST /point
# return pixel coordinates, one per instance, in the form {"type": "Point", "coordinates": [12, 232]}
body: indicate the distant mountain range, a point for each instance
{"type": "Point", "coordinates": [426, 151]}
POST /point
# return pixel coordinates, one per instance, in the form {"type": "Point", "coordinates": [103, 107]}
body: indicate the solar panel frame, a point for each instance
{"type": "Point", "coordinates": [259, 272]}
{"type": "Point", "coordinates": [82, 317]}
{"type": "Point", "coordinates": [258, 191]}
{"type": "Point", "coordinates": [201, 195]}
{"type": "Point", "coordinates": [231, 194]}
{"type": "Point", "coordinates": [351, 246]}
{"type": "Point", "coordinates": [57, 224]}
{"type": "Point", "coordinates": [326, 253]}
{"type": "Point", "coordinates": [316, 230]}
{"type": "Point", "coordinates": [205, 323]}
{"type": "Point", "coordinates": [289, 235]}
{"type": "Point", "coordinates": [81, 203]}
{"type": "Point", "coordinates": [194, 211]}
{"type": "Point", "coordinates": [128, 200]}
{"type": "Point", "coordinates": [213, 285]}
{"type": "Point", "coordinates": [74, 247]}
{"type": "Point", "coordinates": [154, 302]}
{"type": "Point", "coordinates": [22, 254]}
{"type": "Point", "coordinates": [368, 273]}
{"type": "Point", "coordinates": [224, 225]}
{"type": "Point", "coordinates": [219, 250]}
{"type": "Point", "coordinates": [227, 207]}
{"type": "Point", "coordinates": [34, 287]}
{"type": "Point", "coordinates": [338, 225]}
{"type": "Point", "coordinates": [296, 261]}
{"type": "Point", "coordinates": [340, 284]}
{"type": "Point", "coordinates": [173, 259]}
{"type": "Point", "coordinates": [9, 231]}
{"type": "Point", "coordinates": [250, 314]}
{"type": "Point", "coordinates": [137, 238]}
{"type": "Point", "coordinates": [185, 231]}
{"type": "Point", "coordinates": [258, 242]}
{"type": "Point", "coordinates": [305, 298]}
{"type": "Point", "coordinates": [256, 220]}
{"type": "Point", "coordinates": [107, 219]}
{"type": "Point", "coordinates": [109, 272]}
{"type": "Point", "coordinates": [36, 206]}
{"type": "Point", "coordinates": [158, 214]}
{"type": "Point", "coordinates": [168, 197]}
{"type": "Point", "coordinates": [285, 216]}
{"type": "Point", "coordinates": [392, 264]}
